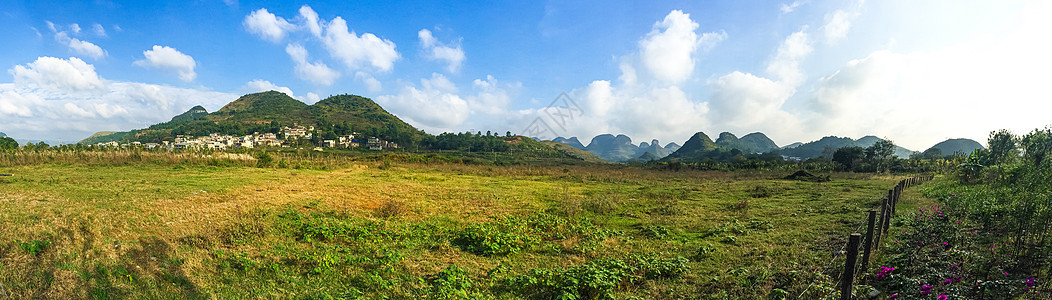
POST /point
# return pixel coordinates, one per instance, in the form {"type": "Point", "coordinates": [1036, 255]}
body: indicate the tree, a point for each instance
{"type": "Point", "coordinates": [932, 153]}
{"type": "Point", "coordinates": [849, 157]}
{"type": "Point", "coordinates": [880, 153]}
{"type": "Point", "coordinates": [1002, 145]}
{"type": "Point", "coordinates": [8, 143]}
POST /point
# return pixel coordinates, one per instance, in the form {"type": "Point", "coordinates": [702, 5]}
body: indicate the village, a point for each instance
{"type": "Point", "coordinates": [287, 137]}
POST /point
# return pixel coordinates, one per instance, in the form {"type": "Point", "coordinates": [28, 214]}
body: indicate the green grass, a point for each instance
{"type": "Point", "coordinates": [514, 231]}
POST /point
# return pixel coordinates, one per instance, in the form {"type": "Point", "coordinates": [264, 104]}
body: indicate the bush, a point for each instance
{"type": "Point", "coordinates": [501, 237]}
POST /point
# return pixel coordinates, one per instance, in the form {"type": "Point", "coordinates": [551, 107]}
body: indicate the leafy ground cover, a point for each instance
{"type": "Point", "coordinates": [401, 229]}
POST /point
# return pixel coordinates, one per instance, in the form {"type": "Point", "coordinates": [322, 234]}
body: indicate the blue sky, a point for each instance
{"type": "Point", "coordinates": [914, 72]}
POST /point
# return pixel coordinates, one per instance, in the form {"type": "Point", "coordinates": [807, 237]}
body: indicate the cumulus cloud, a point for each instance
{"type": "Point", "coordinates": [668, 50]}
{"type": "Point", "coordinates": [58, 74]}
{"type": "Point", "coordinates": [435, 106]}
{"type": "Point", "coordinates": [356, 51]}
{"type": "Point", "coordinates": [66, 100]}
{"type": "Point", "coordinates": [315, 72]}
{"type": "Point", "coordinates": [786, 64]}
{"type": "Point", "coordinates": [169, 59]}
{"type": "Point", "coordinates": [310, 18]}
{"type": "Point", "coordinates": [436, 50]}
{"type": "Point", "coordinates": [86, 48]}
{"type": "Point", "coordinates": [78, 46]}
{"type": "Point", "coordinates": [267, 25]}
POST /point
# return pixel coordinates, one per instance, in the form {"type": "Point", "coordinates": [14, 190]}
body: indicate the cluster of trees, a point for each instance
{"type": "Point", "coordinates": [8, 143]}
{"type": "Point", "coordinates": [468, 141]}
{"type": "Point", "coordinates": [878, 157]}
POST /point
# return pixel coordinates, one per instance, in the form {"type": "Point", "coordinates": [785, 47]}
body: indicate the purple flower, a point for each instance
{"type": "Point", "coordinates": [944, 297]}
{"type": "Point", "coordinates": [893, 296]}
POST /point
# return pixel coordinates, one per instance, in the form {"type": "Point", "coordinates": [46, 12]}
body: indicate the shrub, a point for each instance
{"type": "Point", "coordinates": [500, 237]}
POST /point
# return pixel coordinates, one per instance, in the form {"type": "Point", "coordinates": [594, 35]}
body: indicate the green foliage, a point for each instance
{"type": "Point", "coordinates": [34, 248]}
{"type": "Point", "coordinates": [596, 279]}
{"type": "Point", "coordinates": [451, 283]}
{"type": "Point", "coordinates": [7, 143]}
{"type": "Point", "coordinates": [501, 236]}
{"type": "Point", "coordinates": [263, 160]}
{"type": "Point", "coordinates": [850, 158]}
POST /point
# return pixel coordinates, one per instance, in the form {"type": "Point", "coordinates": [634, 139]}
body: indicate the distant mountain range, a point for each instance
{"type": "Point", "coordinates": [3, 134]}
{"type": "Point", "coordinates": [700, 147]}
{"type": "Point", "coordinates": [620, 148]}
{"type": "Point", "coordinates": [268, 112]}
{"type": "Point", "coordinates": [828, 145]}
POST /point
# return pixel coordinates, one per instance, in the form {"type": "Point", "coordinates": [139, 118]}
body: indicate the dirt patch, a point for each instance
{"type": "Point", "coordinates": [806, 176]}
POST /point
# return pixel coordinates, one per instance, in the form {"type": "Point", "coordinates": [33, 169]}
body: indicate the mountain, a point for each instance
{"type": "Point", "coordinates": [730, 141]}
{"type": "Point", "coordinates": [828, 145]}
{"type": "Point", "coordinates": [823, 147]}
{"type": "Point", "coordinates": [3, 134]}
{"type": "Point", "coordinates": [672, 147]}
{"type": "Point", "coordinates": [269, 112]}
{"type": "Point", "coordinates": [613, 148]}
{"type": "Point", "coordinates": [759, 142]}
{"type": "Point", "coordinates": [573, 142]}
{"type": "Point", "coordinates": [647, 156]}
{"type": "Point", "coordinates": [698, 147]}
{"type": "Point", "coordinates": [654, 148]}
{"type": "Point", "coordinates": [869, 140]}
{"type": "Point", "coordinates": [954, 146]}
{"type": "Point", "coordinates": [192, 114]}
{"type": "Point", "coordinates": [793, 145]}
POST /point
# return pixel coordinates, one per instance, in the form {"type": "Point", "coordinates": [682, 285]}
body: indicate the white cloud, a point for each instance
{"type": "Point", "coordinates": [58, 74]}
{"type": "Point", "coordinates": [168, 58]}
{"type": "Point", "coordinates": [837, 25]}
{"type": "Point", "coordinates": [435, 50]}
{"type": "Point", "coordinates": [267, 26]}
{"type": "Point", "coordinates": [87, 49]}
{"type": "Point", "coordinates": [786, 64]}
{"type": "Point", "coordinates": [65, 100]}
{"type": "Point", "coordinates": [310, 18]}
{"type": "Point", "coordinates": [311, 98]}
{"type": "Point", "coordinates": [99, 30]}
{"type": "Point", "coordinates": [315, 72]}
{"type": "Point", "coordinates": [790, 7]}
{"type": "Point", "coordinates": [76, 45]}
{"type": "Point", "coordinates": [435, 107]}
{"type": "Point", "coordinates": [358, 51]}
{"type": "Point", "coordinates": [16, 105]}
{"type": "Point", "coordinates": [370, 83]}
{"type": "Point", "coordinates": [668, 50]}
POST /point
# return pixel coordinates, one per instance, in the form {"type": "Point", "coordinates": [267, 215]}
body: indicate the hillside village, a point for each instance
{"type": "Point", "coordinates": [287, 137]}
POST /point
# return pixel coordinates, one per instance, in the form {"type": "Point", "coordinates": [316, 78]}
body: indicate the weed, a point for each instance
{"type": "Point", "coordinates": [34, 248]}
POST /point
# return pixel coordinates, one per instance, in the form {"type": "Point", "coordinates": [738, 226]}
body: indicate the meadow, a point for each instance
{"type": "Point", "coordinates": [154, 226]}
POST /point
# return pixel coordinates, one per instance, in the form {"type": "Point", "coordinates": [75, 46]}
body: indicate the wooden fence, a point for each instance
{"type": "Point", "coordinates": [876, 230]}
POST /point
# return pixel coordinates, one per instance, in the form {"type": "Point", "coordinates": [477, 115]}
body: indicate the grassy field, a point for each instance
{"type": "Point", "coordinates": [401, 230]}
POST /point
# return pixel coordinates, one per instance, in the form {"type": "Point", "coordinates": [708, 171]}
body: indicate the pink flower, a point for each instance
{"type": "Point", "coordinates": [894, 296]}
{"type": "Point", "coordinates": [944, 297]}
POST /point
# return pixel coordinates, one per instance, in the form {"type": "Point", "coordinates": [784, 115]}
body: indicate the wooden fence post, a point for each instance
{"type": "Point", "coordinates": [887, 217]}
{"type": "Point", "coordinates": [891, 201]}
{"type": "Point", "coordinates": [868, 245]}
{"type": "Point", "coordinates": [883, 216]}
{"type": "Point", "coordinates": [849, 266]}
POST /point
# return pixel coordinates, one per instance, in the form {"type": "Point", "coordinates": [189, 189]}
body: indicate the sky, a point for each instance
{"type": "Point", "coordinates": [915, 72]}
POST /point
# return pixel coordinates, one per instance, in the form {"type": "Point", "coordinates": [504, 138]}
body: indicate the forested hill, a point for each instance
{"type": "Point", "coordinates": [269, 111]}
